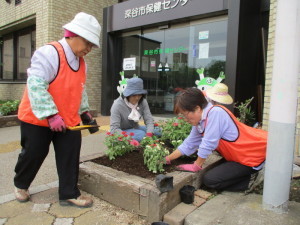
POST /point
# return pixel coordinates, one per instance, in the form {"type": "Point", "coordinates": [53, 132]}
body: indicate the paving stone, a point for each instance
{"type": "Point", "coordinates": [67, 211]}
{"type": "Point", "coordinates": [63, 221]}
{"type": "Point", "coordinates": [44, 197]}
{"type": "Point", "coordinates": [2, 221]}
{"type": "Point", "coordinates": [40, 207]}
{"type": "Point", "coordinates": [94, 218]}
{"type": "Point", "coordinates": [203, 194]}
{"type": "Point", "coordinates": [198, 201]}
{"type": "Point", "coordinates": [31, 219]}
{"type": "Point", "coordinates": [14, 208]}
{"type": "Point", "coordinates": [177, 215]}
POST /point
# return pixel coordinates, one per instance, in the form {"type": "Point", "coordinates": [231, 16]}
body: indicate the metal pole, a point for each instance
{"type": "Point", "coordinates": [283, 107]}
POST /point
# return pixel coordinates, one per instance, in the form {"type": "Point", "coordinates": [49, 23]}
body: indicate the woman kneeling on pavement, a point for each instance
{"type": "Point", "coordinates": [216, 128]}
{"type": "Point", "coordinates": [55, 99]}
{"type": "Point", "coordinates": [129, 108]}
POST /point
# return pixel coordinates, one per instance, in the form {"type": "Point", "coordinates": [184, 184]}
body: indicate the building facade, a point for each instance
{"type": "Point", "coordinates": [26, 25]}
{"type": "Point", "coordinates": [165, 42]}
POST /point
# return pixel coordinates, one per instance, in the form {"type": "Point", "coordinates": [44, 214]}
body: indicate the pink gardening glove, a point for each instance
{"type": "Point", "coordinates": [168, 161]}
{"type": "Point", "coordinates": [189, 167]}
{"type": "Point", "coordinates": [56, 123]}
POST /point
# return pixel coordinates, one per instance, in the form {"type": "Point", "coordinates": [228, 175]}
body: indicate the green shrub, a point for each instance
{"type": "Point", "coordinates": [7, 107]}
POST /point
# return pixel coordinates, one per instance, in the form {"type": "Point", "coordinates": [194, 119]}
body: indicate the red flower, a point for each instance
{"type": "Point", "coordinates": [134, 142]}
{"type": "Point", "coordinates": [149, 134]}
{"type": "Point", "coordinates": [156, 125]}
{"type": "Point", "coordinates": [108, 133]}
{"type": "Point", "coordinates": [153, 145]}
{"type": "Point", "coordinates": [175, 124]}
{"type": "Point", "coordinates": [131, 134]}
{"type": "Point", "coordinates": [124, 132]}
{"type": "Point", "coordinates": [180, 118]}
{"type": "Point", "coordinates": [125, 135]}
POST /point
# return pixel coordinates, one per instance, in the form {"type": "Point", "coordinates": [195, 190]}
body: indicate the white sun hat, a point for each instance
{"type": "Point", "coordinates": [219, 94]}
{"type": "Point", "coordinates": [86, 26]}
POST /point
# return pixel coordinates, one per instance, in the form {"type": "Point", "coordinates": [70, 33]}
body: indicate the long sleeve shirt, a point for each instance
{"type": "Point", "coordinates": [43, 70]}
{"type": "Point", "coordinates": [222, 127]}
{"type": "Point", "coordinates": [119, 116]}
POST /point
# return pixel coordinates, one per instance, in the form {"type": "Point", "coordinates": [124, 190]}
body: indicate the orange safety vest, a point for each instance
{"type": "Point", "coordinates": [66, 90]}
{"type": "Point", "coordinates": [250, 146]}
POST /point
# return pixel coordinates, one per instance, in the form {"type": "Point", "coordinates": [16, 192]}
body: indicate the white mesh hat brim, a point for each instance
{"type": "Point", "coordinates": [83, 32]}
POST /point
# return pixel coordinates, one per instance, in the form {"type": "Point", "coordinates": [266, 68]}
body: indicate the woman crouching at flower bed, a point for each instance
{"type": "Point", "coordinates": [216, 128]}
{"type": "Point", "coordinates": [128, 109]}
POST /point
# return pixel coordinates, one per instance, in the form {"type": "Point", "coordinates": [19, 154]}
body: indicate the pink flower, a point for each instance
{"type": "Point", "coordinates": [124, 132]}
{"type": "Point", "coordinates": [120, 139]}
{"type": "Point", "coordinates": [108, 133]}
{"type": "Point", "coordinates": [175, 124]}
{"type": "Point", "coordinates": [131, 134]}
{"type": "Point", "coordinates": [134, 142]}
{"type": "Point", "coordinates": [149, 134]}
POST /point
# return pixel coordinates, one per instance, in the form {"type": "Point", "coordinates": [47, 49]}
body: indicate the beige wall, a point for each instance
{"type": "Point", "coordinates": [269, 71]}
{"type": "Point", "coordinates": [50, 16]}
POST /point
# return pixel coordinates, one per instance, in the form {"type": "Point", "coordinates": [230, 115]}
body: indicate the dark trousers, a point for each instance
{"type": "Point", "coordinates": [35, 142]}
{"type": "Point", "coordinates": [228, 176]}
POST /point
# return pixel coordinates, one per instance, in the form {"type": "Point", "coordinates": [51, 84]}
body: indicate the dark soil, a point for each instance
{"type": "Point", "coordinates": [133, 163]}
{"type": "Point", "coordinates": [294, 190]}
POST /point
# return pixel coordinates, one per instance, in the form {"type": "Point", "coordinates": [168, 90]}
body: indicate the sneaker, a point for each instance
{"type": "Point", "coordinates": [81, 201]}
{"type": "Point", "coordinates": [22, 195]}
{"type": "Point", "coordinates": [255, 180]}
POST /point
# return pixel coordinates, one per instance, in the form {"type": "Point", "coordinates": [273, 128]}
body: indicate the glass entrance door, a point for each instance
{"type": "Point", "coordinates": [169, 59]}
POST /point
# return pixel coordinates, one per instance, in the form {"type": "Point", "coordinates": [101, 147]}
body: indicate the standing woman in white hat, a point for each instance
{"type": "Point", "coordinates": [54, 99]}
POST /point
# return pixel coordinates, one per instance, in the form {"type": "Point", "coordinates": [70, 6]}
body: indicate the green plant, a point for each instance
{"type": "Point", "coordinates": [175, 130]}
{"type": "Point", "coordinates": [119, 144]}
{"type": "Point", "coordinates": [149, 140]}
{"type": "Point", "coordinates": [9, 106]}
{"type": "Point", "coordinates": [154, 157]}
{"type": "Point", "coordinates": [246, 115]}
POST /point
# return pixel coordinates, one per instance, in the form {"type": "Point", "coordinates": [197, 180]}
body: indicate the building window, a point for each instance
{"type": "Point", "coordinates": [17, 2]}
{"type": "Point", "coordinates": [16, 51]}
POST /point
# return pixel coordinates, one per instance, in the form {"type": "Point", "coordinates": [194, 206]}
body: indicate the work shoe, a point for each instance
{"type": "Point", "coordinates": [255, 180]}
{"type": "Point", "coordinates": [22, 195]}
{"type": "Point", "coordinates": [81, 201]}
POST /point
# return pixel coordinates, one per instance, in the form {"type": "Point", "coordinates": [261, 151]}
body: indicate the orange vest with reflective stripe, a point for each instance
{"type": "Point", "coordinates": [250, 146]}
{"type": "Point", "coordinates": [66, 90]}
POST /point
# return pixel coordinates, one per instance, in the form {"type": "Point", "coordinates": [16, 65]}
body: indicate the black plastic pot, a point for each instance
{"type": "Point", "coordinates": [187, 194]}
{"type": "Point", "coordinates": [159, 223]}
{"type": "Point", "coordinates": [164, 183]}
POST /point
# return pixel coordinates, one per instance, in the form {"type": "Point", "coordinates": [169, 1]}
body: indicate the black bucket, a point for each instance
{"type": "Point", "coordinates": [187, 194]}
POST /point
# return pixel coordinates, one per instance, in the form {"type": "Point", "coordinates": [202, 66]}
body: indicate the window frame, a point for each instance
{"type": "Point", "coordinates": [15, 36]}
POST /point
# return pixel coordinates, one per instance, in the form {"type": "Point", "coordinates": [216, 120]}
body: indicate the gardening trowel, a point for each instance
{"type": "Point", "coordinates": [83, 127]}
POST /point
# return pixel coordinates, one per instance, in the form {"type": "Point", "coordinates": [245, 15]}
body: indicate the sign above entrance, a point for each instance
{"type": "Point", "coordinates": [136, 13]}
{"type": "Point", "coordinates": [155, 7]}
